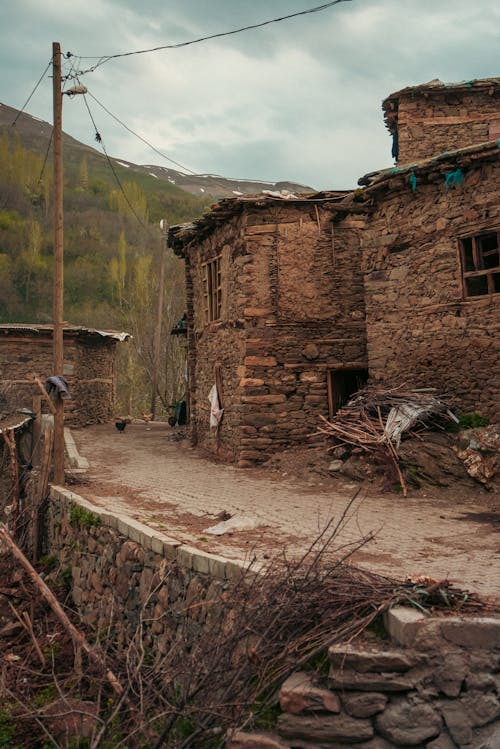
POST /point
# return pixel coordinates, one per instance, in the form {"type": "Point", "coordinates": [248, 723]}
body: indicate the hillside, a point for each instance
{"type": "Point", "coordinates": [112, 244]}
{"type": "Point", "coordinates": [35, 134]}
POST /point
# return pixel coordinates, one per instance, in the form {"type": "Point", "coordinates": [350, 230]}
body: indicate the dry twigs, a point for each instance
{"type": "Point", "coordinates": [375, 419]}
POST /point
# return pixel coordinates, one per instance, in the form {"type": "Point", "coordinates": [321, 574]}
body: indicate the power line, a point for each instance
{"type": "Point", "coordinates": [29, 97]}
{"type": "Point", "coordinates": [140, 137]}
{"type": "Point", "coordinates": [106, 58]}
{"type": "Point", "coordinates": [99, 140]}
{"type": "Point", "coordinates": [215, 181]}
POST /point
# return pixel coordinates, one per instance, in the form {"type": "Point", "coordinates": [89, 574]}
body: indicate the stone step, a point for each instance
{"type": "Point", "coordinates": [366, 660]}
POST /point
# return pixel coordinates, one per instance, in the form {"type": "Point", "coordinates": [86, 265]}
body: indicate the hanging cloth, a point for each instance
{"type": "Point", "coordinates": [215, 410]}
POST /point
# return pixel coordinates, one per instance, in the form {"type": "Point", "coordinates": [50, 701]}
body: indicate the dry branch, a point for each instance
{"type": "Point", "coordinates": [77, 637]}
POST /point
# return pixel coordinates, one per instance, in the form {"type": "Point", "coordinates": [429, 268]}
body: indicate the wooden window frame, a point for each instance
{"type": "Point", "coordinates": [478, 256]}
{"type": "Point", "coordinates": [212, 289]}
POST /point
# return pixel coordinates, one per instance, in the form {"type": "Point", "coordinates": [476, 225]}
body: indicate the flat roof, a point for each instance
{"type": "Point", "coordinates": [181, 235]}
{"type": "Point", "coordinates": [435, 87]}
{"type": "Point", "coordinates": [68, 329]}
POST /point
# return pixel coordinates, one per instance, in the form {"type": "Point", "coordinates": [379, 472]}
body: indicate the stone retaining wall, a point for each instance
{"type": "Point", "coordinates": [435, 685]}
{"type": "Point", "coordinates": [121, 569]}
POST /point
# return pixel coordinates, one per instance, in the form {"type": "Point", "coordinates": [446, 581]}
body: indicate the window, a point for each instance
{"type": "Point", "coordinates": [481, 264]}
{"type": "Point", "coordinates": [212, 289]}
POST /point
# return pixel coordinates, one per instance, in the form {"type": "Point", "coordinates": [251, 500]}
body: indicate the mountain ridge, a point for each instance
{"type": "Point", "coordinates": [36, 134]}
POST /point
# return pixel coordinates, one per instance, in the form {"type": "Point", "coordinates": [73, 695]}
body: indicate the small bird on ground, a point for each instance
{"type": "Point", "coordinates": [120, 424]}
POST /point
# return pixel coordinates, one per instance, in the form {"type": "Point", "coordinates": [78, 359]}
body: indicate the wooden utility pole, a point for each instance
{"type": "Point", "coordinates": [159, 319]}
{"type": "Point", "coordinates": [58, 287]}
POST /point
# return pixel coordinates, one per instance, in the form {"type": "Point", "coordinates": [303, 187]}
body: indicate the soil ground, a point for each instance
{"type": "Point", "coordinates": [151, 473]}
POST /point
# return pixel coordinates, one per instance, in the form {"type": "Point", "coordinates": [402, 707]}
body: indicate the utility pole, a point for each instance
{"type": "Point", "coordinates": [58, 280]}
{"type": "Point", "coordinates": [159, 318]}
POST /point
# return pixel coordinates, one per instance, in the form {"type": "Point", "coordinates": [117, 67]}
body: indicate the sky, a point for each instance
{"type": "Point", "coordinates": [298, 100]}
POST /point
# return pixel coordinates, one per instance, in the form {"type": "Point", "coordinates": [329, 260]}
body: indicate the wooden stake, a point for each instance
{"type": "Point", "coordinates": [77, 636]}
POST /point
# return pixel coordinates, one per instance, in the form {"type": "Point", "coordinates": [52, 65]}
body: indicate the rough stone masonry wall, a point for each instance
{"type": "Point", "coordinates": [304, 315]}
{"type": "Point", "coordinates": [88, 367]}
{"type": "Point", "coordinates": [420, 329]}
{"type": "Point", "coordinates": [121, 569]}
{"type": "Point", "coordinates": [429, 125]}
{"type": "Point", "coordinates": [436, 685]}
{"type": "Point", "coordinates": [216, 344]}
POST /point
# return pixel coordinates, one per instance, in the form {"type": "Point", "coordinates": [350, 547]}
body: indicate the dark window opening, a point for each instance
{"type": "Point", "coordinates": [342, 383]}
{"type": "Point", "coordinates": [481, 264]}
{"type": "Point", "coordinates": [212, 289]}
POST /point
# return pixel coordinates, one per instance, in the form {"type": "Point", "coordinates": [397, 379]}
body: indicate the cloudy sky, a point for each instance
{"type": "Point", "coordinates": [296, 100]}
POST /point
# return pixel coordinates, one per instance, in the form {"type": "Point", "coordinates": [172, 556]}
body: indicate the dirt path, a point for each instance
{"type": "Point", "coordinates": [148, 475]}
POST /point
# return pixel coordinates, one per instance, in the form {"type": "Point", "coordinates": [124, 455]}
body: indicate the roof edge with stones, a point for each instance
{"type": "Point", "coordinates": [435, 87]}
{"type": "Point", "coordinates": [461, 157]}
{"type": "Point", "coordinates": [68, 329]}
{"type": "Point", "coordinates": [181, 235]}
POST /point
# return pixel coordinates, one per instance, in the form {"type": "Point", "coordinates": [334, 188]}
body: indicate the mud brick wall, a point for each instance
{"type": "Point", "coordinates": [292, 307]}
{"type": "Point", "coordinates": [420, 329]}
{"type": "Point", "coordinates": [88, 368]}
{"type": "Point", "coordinates": [433, 122]}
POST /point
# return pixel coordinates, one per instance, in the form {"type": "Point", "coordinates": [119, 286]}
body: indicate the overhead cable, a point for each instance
{"type": "Point", "coordinates": [106, 58]}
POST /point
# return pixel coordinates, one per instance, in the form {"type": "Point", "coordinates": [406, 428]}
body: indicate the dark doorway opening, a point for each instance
{"type": "Point", "coordinates": [342, 383]}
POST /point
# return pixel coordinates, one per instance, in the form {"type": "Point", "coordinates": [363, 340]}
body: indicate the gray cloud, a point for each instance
{"type": "Point", "coordinates": [298, 100]}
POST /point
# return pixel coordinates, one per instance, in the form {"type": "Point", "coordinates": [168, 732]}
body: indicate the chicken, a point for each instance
{"type": "Point", "coordinates": [147, 417]}
{"type": "Point", "coordinates": [122, 422]}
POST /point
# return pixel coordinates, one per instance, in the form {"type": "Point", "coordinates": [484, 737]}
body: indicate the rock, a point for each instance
{"type": "Point", "coordinates": [242, 740]}
{"type": "Point", "coordinates": [325, 728]}
{"type": "Point", "coordinates": [370, 660]}
{"type": "Point", "coordinates": [457, 722]}
{"type": "Point", "coordinates": [481, 708]}
{"type": "Point", "coordinates": [364, 704]}
{"type": "Point", "coordinates": [449, 677]}
{"type": "Point", "coordinates": [442, 742]}
{"type": "Point", "coordinates": [409, 722]}
{"type": "Point", "coordinates": [298, 694]}
{"type": "Point", "coordinates": [369, 682]}
{"type": "Point", "coordinates": [335, 466]}
{"type": "Point", "coordinates": [474, 633]}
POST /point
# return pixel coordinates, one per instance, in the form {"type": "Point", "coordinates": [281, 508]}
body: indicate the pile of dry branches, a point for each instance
{"type": "Point", "coordinates": [375, 419]}
{"type": "Point", "coordinates": [220, 673]}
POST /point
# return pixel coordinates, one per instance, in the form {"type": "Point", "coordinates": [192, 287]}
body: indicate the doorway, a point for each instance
{"type": "Point", "coordinates": [342, 383]}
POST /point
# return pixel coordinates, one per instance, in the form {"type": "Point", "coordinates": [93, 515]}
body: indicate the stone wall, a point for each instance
{"type": "Point", "coordinates": [436, 685]}
{"type": "Point", "coordinates": [23, 436]}
{"type": "Point", "coordinates": [431, 122]}
{"type": "Point", "coordinates": [122, 569]}
{"type": "Point", "coordinates": [420, 329]}
{"type": "Point", "coordinates": [292, 309]}
{"type": "Point", "coordinates": [88, 368]}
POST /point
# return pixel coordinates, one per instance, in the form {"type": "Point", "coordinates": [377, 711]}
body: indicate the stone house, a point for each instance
{"type": "Point", "coordinates": [88, 368]}
{"type": "Point", "coordinates": [294, 301]}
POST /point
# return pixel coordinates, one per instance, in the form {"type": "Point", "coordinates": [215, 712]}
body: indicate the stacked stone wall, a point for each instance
{"type": "Point", "coordinates": [218, 344]}
{"type": "Point", "coordinates": [88, 368]}
{"type": "Point", "coordinates": [434, 685]}
{"type": "Point", "coordinates": [420, 329]}
{"type": "Point", "coordinates": [430, 683]}
{"type": "Point", "coordinates": [292, 308]}
{"type": "Point", "coordinates": [122, 570]}
{"type": "Point", "coordinates": [431, 124]}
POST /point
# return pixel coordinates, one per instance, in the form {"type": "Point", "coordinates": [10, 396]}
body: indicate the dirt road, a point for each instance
{"type": "Point", "coordinates": [147, 474]}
